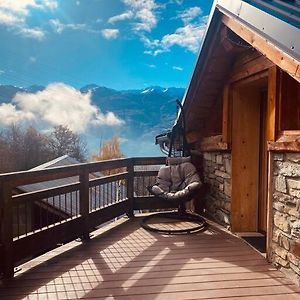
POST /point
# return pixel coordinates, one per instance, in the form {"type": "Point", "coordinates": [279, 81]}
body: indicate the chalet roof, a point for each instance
{"type": "Point", "coordinates": [272, 27]}
{"type": "Point", "coordinates": [68, 204]}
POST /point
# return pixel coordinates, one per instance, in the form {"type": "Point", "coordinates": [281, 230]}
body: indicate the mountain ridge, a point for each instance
{"type": "Point", "coordinates": [147, 112]}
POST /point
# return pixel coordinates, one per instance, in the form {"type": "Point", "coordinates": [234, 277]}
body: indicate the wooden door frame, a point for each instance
{"type": "Point", "coordinates": [264, 77]}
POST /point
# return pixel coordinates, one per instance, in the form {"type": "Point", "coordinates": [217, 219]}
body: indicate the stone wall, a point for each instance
{"type": "Point", "coordinates": [285, 251]}
{"type": "Point", "coordinates": [217, 174]}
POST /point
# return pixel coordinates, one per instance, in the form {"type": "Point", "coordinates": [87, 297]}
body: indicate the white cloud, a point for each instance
{"type": "Point", "coordinates": [143, 12]}
{"type": "Point", "coordinates": [13, 14]}
{"type": "Point", "coordinates": [2, 72]}
{"type": "Point", "coordinates": [152, 66]}
{"type": "Point", "coordinates": [9, 114]}
{"type": "Point", "coordinates": [110, 34]}
{"type": "Point", "coordinates": [34, 33]}
{"type": "Point", "coordinates": [8, 19]}
{"type": "Point", "coordinates": [188, 36]}
{"type": "Point", "coordinates": [58, 104]}
{"type": "Point", "coordinates": [124, 16]}
{"type": "Point", "coordinates": [77, 2]}
{"type": "Point", "coordinates": [190, 14]}
{"type": "Point", "coordinates": [177, 68]}
{"type": "Point", "coordinates": [60, 27]}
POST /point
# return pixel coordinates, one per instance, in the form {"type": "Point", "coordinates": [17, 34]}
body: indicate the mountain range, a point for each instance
{"type": "Point", "coordinates": [146, 112]}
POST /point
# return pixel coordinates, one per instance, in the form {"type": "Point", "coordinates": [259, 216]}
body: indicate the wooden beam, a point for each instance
{"type": "Point", "coordinates": [255, 66]}
{"type": "Point", "coordinates": [272, 105]}
{"type": "Point", "coordinates": [130, 187]}
{"type": "Point", "coordinates": [193, 136]}
{"type": "Point", "coordinates": [226, 126]}
{"type": "Point", "coordinates": [270, 207]}
{"type": "Point", "coordinates": [84, 202]}
{"type": "Point", "coordinates": [277, 56]}
{"type": "Point", "coordinates": [212, 143]}
{"type": "Point", "coordinates": [6, 230]}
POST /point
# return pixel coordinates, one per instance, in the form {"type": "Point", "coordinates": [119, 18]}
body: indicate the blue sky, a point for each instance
{"type": "Point", "coordinates": [64, 45]}
{"type": "Point", "coordinates": [122, 44]}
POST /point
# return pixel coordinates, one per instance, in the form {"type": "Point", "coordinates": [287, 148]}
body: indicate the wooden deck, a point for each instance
{"type": "Point", "coordinates": [127, 262]}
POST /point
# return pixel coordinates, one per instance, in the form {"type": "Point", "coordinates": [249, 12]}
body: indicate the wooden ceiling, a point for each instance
{"type": "Point", "coordinates": [209, 83]}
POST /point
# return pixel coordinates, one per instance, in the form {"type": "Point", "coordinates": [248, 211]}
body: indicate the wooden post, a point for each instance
{"type": "Point", "coordinates": [130, 187]}
{"type": "Point", "coordinates": [273, 104]}
{"type": "Point", "coordinates": [226, 126]}
{"type": "Point", "coordinates": [270, 206]}
{"type": "Point", "coordinates": [84, 203]}
{"type": "Point", "coordinates": [7, 261]}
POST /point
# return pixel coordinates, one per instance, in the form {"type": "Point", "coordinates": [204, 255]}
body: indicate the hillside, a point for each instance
{"type": "Point", "coordinates": [146, 112]}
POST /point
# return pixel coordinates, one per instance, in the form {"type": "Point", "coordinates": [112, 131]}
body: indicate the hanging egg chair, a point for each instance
{"type": "Point", "coordinates": [177, 182]}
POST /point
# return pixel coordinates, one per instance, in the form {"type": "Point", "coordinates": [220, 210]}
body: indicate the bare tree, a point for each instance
{"type": "Point", "coordinates": [22, 149]}
{"type": "Point", "coordinates": [64, 141]}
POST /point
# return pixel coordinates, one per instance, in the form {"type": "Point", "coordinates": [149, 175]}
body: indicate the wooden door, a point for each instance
{"type": "Point", "coordinates": [245, 158]}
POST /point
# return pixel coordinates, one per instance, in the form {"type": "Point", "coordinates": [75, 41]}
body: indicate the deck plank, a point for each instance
{"type": "Point", "coordinates": [128, 262]}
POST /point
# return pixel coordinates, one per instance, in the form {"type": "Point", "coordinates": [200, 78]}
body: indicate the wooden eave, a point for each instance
{"type": "Point", "coordinates": [215, 67]}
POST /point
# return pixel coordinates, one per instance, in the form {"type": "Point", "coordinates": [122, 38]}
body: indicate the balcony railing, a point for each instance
{"type": "Point", "coordinates": [35, 222]}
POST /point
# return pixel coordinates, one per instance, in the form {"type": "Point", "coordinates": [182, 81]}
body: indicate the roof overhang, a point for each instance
{"type": "Point", "coordinates": [262, 25]}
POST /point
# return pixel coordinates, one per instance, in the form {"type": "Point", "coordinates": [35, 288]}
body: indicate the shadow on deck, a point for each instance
{"type": "Point", "coordinates": [126, 262]}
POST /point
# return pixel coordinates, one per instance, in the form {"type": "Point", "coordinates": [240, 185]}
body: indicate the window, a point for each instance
{"type": "Point", "coordinates": [289, 104]}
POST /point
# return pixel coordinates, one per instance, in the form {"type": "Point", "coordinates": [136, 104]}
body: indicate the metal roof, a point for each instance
{"type": "Point", "coordinates": [276, 20]}
{"type": "Point", "coordinates": [69, 203]}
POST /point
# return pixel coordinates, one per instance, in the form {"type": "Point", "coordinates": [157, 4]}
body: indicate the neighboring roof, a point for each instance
{"type": "Point", "coordinates": [69, 205]}
{"type": "Point", "coordinates": [64, 160]}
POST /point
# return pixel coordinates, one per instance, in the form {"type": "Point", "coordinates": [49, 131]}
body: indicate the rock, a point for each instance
{"type": "Point", "coordinates": [222, 168]}
{"type": "Point", "coordinates": [280, 184]}
{"type": "Point", "coordinates": [278, 156]}
{"type": "Point", "coordinates": [294, 157]}
{"type": "Point", "coordinates": [276, 235]}
{"type": "Point", "coordinates": [294, 213]}
{"type": "Point", "coordinates": [221, 187]}
{"type": "Point", "coordinates": [279, 261]}
{"type": "Point", "coordinates": [289, 169]}
{"type": "Point", "coordinates": [294, 187]}
{"type": "Point", "coordinates": [227, 189]}
{"type": "Point", "coordinates": [284, 242]}
{"type": "Point", "coordinates": [296, 269]}
{"type": "Point", "coordinates": [281, 252]}
{"type": "Point", "coordinates": [293, 259]}
{"type": "Point", "coordinates": [222, 217]}
{"type": "Point", "coordinates": [222, 174]}
{"type": "Point", "coordinates": [219, 159]}
{"type": "Point", "coordinates": [295, 248]}
{"type": "Point", "coordinates": [227, 164]}
{"type": "Point", "coordinates": [227, 205]}
{"type": "Point", "coordinates": [213, 157]}
{"type": "Point", "coordinates": [296, 230]}
{"type": "Point", "coordinates": [281, 222]}
{"type": "Point", "coordinates": [284, 198]}
{"type": "Point", "coordinates": [207, 156]}
{"type": "Point", "coordinates": [278, 206]}
{"type": "Point", "coordinates": [220, 179]}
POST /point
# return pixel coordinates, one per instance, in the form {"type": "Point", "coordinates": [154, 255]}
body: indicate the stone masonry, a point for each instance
{"type": "Point", "coordinates": [217, 174]}
{"type": "Point", "coordinates": [286, 214]}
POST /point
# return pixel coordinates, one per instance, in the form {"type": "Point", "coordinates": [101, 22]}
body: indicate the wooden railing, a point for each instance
{"type": "Point", "coordinates": [76, 199]}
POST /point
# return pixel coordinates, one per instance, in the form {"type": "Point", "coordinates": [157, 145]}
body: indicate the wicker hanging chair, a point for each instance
{"type": "Point", "coordinates": [178, 183]}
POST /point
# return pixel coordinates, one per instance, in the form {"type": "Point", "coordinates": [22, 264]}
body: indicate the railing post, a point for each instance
{"type": "Point", "coordinates": [84, 203]}
{"type": "Point", "coordinates": [6, 220]}
{"type": "Point", "coordinates": [130, 187]}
